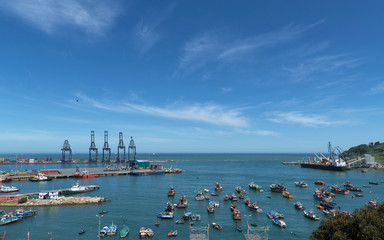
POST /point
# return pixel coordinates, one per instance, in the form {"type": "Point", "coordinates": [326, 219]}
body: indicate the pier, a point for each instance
{"type": "Point", "coordinates": [256, 233]}
{"type": "Point", "coordinates": [101, 172]}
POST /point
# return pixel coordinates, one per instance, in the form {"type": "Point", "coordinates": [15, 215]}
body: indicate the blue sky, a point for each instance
{"type": "Point", "coordinates": [191, 76]}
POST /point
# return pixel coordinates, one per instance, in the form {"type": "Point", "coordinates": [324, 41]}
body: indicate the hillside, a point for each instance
{"type": "Point", "coordinates": [375, 149]}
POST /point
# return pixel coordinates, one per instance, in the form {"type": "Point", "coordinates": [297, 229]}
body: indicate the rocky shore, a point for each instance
{"type": "Point", "coordinates": [58, 202]}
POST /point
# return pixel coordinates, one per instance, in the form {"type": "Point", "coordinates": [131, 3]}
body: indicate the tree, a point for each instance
{"type": "Point", "coordinates": [363, 224]}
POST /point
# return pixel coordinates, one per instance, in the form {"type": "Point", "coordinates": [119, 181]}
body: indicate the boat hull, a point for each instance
{"type": "Point", "coordinates": [323, 167]}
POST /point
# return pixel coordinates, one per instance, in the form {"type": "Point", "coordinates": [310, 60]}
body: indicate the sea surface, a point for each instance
{"type": "Point", "coordinates": [136, 200]}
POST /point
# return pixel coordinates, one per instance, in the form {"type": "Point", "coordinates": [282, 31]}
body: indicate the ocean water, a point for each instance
{"type": "Point", "coordinates": [136, 200]}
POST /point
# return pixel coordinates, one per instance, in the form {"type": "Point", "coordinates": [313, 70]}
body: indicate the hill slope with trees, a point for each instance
{"type": "Point", "coordinates": [374, 149]}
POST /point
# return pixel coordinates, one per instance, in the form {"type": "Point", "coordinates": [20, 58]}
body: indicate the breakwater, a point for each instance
{"type": "Point", "coordinates": [54, 202]}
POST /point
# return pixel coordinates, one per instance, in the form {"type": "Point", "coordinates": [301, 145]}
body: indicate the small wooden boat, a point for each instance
{"type": "Point", "coordinates": [236, 215]}
{"type": "Point", "coordinates": [254, 224]}
{"type": "Point", "coordinates": [374, 183]}
{"type": "Point", "coordinates": [213, 194]}
{"type": "Point", "coordinates": [171, 192]}
{"type": "Point", "coordinates": [287, 195]}
{"type": "Point", "coordinates": [364, 170]}
{"type": "Point", "coordinates": [311, 215]}
{"type": "Point", "coordinates": [216, 226]}
{"type": "Point", "coordinates": [218, 187]}
{"type": "Point", "coordinates": [143, 232]}
{"type": "Point", "coordinates": [278, 187]}
{"type": "Point", "coordinates": [82, 231]}
{"type": "Point", "coordinates": [279, 222]}
{"type": "Point", "coordinates": [103, 212]}
{"type": "Point", "coordinates": [238, 228]}
{"type": "Point", "coordinates": [157, 223]}
{"type": "Point", "coordinates": [359, 195]}
{"type": "Point", "coordinates": [124, 231]}
{"type": "Point", "coordinates": [301, 184]}
{"type": "Point", "coordinates": [366, 186]}
{"type": "Point", "coordinates": [172, 233]}
{"type": "Point", "coordinates": [268, 196]}
{"type": "Point", "coordinates": [226, 198]}
{"type": "Point", "coordinates": [299, 206]}
{"type": "Point", "coordinates": [318, 182]}
{"type": "Point", "coordinates": [149, 232]}
{"type": "Point", "coordinates": [252, 185]}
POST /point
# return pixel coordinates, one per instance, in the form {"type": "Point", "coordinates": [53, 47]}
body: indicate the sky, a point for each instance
{"type": "Point", "coordinates": [191, 76]}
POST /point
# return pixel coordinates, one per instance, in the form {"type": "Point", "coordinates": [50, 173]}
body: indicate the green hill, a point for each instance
{"type": "Point", "coordinates": [374, 149]}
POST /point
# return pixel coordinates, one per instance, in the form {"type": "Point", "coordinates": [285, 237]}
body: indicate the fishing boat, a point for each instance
{"type": "Point", "coordinates": [226, 198]}
{"type": "Point", "coordinates": [269, 215]}
{"type": "Point", "coordinates": [233, 197]}
{"type": "Point", "coordinates": [213, 194]}
{"type": "Point", "coordinates": [82, 231]}
{"type": "Point", "coordinates": [206, 197]}
{"type": "Point", "coordinates": [218, 187]}
{"type": "Point", "coordinates": [143, 232]}
{"type": "Point", "coordinates": [168, 212]}
{"type": "Point", "coordinates": [247, 201]}
{"type": "Point", "coordinates": [287, 195]}
{"type": "Point", "coordinates": [364, 170]}
{"type": "Point", "coordinates": [301, 184]}
{"type": "Point", "coordinates": [371, 204]}
{"type": "Point", "coordinates": [318, 182]}
{"type": "Point", "coordinates": [199, 195]}
{"type": "Point", "coordinates": [85, 174]}
{"type": "Point", "coordinates": [216, 204]}
{"type": "Point", "coordinates": [112, 230]}
{"type": "Point", "coordinates": [374, 183]}
{"type": "Point", "coordinates": [180, 221]}
{"type": "Point", "coordinates": [171, 192]}
{"type": "Point", "coordinates": [211, 209]}
{"type": "Point", "coordinates": [172, 233]}
{"type": "Point", "coordinates": [195, 217]}
{"type": "Point", "coordinates": [336, 189]}
{"type": "Point", "coordinates": [216, 226]}
{"type": "Point", "coordinates": [311, 215]}
{"type": "Point", "coordinates": [124, 231]}
{"type": "Point", "coordinates": [187, 215]}
{"type": "Point", "coordinates": [358, 195]}
{"type": "Point", "coordinates": [6, 189]}
{"type": "Point", "coordinates": [279, 222]}
{"type": "Point", "coordinates": [236, 215]}
{"type": "Point", "coordinates": [238, 228]}
{"type": "Point", "coordinates": [254, 224]}
{"type": "Point", "coordinates": [321, 194]}
{"type": "Point", "coordinates": [206, 190]}
{"type": "Point", "coordinates": [354, 189]}
{"type": "Point", "coordinates": [103, 231]}
{"type": "Point", "coordinates": [4, 179]}
{"type": "Point", "coordinates": [40, 178]}
{"type": "Point", "coordinates": [21, 213]}
{"type": "Point", "coordinates": [278, 187]}
{"type": "Point", "coordinates": [254, 186]}
{"type": "Point", "coordinates": [233, 206]}
{"type": "Point", "coordinates": [277, 215]}
{"type": "Point", "coordinates": [240, 189]}
{"type": "Point", "coordinates": [8, 218]}
{"type": "Point", "coordinates": [157, 224]}
{"type": "Point", "coordinates": [183, 202]}
{"type": "Point", "coordinates": [330, 205]}
{"type": "Point", "coordinates": [75, 189]}
{"type": "Point", "coordinates": [299, 206]}
{"type": "Point", "coordinates": [103, 212]}
{"type": "Point", "coordinates": [149, 232]}
{"type": "Point", "coordinates": [254, 207]}
{"type": "Point", "coordinates": [328, 212]}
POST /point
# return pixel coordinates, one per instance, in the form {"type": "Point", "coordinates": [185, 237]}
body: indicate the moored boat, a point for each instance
{"type": "Point", "coordinates": [252, 185]}
{"type": "Point", "coordinates": [172, 233]}
{"type": "Point", "coordinates": [371, 204]}
{"type": "Point", "coordinates": [216, 226]}
{"type": "Point", "coordinates": [40, 178]}
{"type": "Point", "coordinates": [168, 212]}
{"type": "Point", "coordinates": [240, 189]}
{"type": "Point", "coordinates": [75, 189]}
{"type": "Point", "coordinates": [211, 208]}
{"type": "Point", "coordinates": [336, 189]}
{"type": "Point", "coordinates": [226, 198]}
{"type": "Point", "coordinates": [82, 231]}
{"type": "Point", "coordinates": [103, 231]}
{"type": "Point", "coordinates": [233, 197]}
{"type": "Point", "coordinates": [218, 187]}
{"type": "Point", "coordinates": [4, 179]}
{"type": "Point", "coordinates": [301, 184]}
{"type": "Point", "coordinates": [278, 187]}
{"type": "Point", "coordinates": [287, 195]}
{"type": "Point", "coordinates": [6, 189]}
{"type": "Point", "coordinates": [236, 215]}
{"type": "Point", "coordinates": [374, 183]}
{"type": "Point", "coordinates": [124, 231]}
{"type": "Point", "coordinates": [279, 222]}
{"type": "Point", "coordinates": [183, 202]}
{"type": "Point", "coordinates": [171, 192]}
{"type": "Point", "coordinates": [311, 215]}
{"type": "Point", "coordinates": [299, 206]}
{"type": "Point", "coordinates": [199, 195]}
{"type": "Point", "coordinates": [112, 230]}
{"type": "Point", "coordinates": [254, 207]}
{"type": "Point", "coordinates": [8, 218]}
{"type": "Point", "coordinates": [149, 232]}
{"type": "Point", "coordinates": [238, 228]}
{"type": "Point", "coordinates": [85, 174]}
{"type": "Point", "coordinates": [318, 182]}
{"type": "Point", "coordinates": [143, 232]}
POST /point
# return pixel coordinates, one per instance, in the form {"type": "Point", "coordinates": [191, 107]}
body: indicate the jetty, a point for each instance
{"type": "Point", "coordinates": [54, 202]}
{"type": "Point", "coordinates": [101, 172]}
{"type": "Point", "coordinates": [256, 233]}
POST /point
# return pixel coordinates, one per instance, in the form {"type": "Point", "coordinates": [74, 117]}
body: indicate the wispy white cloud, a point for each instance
{"type": "Point", "coordinates": [207, 48]}
{"type": "Point", "coordinates": [209, 113]}
{"type": "Point", "coordinates": [299, 118]}
{"type": "Point", "coordinates": [146, 30]}
{"type": "Point", "coordinates": [309, 69]}
{"type": "Point", "coordinates": [49, 15]}
{"type": "Point", "coordinates": [289, 32]}
{"type": "Point", "coordinates": [376, 90]}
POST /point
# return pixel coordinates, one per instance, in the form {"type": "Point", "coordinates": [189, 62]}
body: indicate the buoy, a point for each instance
{"type": "Point", "coordinates": [370, 191]}
{"type": "Point", "coordinates": [353, 196]}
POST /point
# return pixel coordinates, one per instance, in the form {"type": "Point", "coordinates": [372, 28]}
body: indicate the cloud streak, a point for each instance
{"type": "Point", "coordinates": [93, 17]}
{"type": "Point", "coordinates": [209, 113]}
{"type": "Point", "coordinates": [302, 119]}
{"type": "Point", "coordinates": [207, 48]}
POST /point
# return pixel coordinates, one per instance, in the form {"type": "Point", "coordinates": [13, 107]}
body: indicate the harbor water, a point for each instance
{"type": "Point", "coordinates": [137, 200]}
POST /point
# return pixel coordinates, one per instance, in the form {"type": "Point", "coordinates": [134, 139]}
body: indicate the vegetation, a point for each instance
{"type": "Point", "coordinates": [363, 224]}
{"type": "Point", "coordinates": [374, 149]}
{"type": "Point", "coordinates": [22, 200]}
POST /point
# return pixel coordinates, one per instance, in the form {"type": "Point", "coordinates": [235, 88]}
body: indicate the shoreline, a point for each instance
{"type": "Point", "coordinates": [62, 201]}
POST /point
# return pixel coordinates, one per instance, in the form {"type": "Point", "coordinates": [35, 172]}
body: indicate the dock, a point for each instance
{"type": "Point", "coordinates": [101, 172]}
{"type": "Point", "coordinates": [256, 233]}
{"type": "Point", "coordinates": [60, 191]}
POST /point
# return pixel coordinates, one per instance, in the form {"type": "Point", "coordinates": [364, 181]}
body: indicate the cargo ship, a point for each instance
{"type": "Point", "coordinates": [334, 162]}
